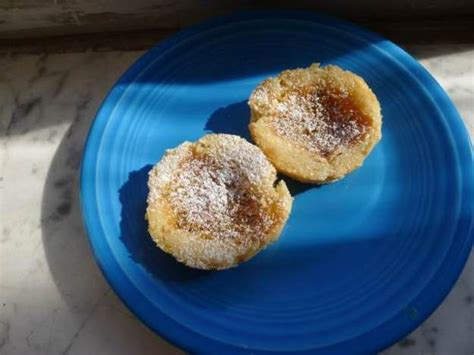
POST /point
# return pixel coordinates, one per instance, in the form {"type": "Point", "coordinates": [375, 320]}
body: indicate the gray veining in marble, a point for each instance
{"type": "Point", "coordinates": [53, 298]}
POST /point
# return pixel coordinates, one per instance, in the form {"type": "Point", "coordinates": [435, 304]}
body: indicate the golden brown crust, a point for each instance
{"type": "Point", "coordinates": [212, 203]}
{"type": "Point", "coordinates": [315, 124]}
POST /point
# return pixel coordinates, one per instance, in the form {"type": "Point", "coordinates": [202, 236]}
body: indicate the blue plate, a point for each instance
{"type": "Point", "coordinates": [361, 263]}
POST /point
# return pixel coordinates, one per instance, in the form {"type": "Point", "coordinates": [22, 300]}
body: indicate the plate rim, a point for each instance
{"type": "Point", "coordinates": [186, 338]}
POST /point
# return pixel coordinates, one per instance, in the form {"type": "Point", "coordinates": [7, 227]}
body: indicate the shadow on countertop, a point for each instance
{"type": "Point", "coordinates": [67, 250]}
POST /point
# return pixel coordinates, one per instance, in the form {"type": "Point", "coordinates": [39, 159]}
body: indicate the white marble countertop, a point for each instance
{"type": "Point", "coordinates": [53, 298]}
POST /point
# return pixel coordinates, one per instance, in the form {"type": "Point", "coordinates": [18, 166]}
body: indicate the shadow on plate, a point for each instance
{"type": "Point", "coordinates": [135, 236]}
{"type": "Point", "coordinates": [234, 119]}
{"type": "Point", "coordinates": [231, 119]}
{"type": "Point", "coordinates": [296, 187]}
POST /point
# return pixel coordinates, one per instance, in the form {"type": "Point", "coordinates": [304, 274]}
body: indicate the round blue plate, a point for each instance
{"type": "Point", "coordinates": [361, 262]}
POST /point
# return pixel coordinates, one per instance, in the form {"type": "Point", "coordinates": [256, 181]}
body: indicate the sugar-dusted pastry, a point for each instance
{"type": "Point", "coordinates": [315, 124]}
{"type": "Point", "coordinates": [215, 203]}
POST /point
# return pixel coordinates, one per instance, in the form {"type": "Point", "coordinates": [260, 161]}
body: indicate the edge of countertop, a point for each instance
{"type": "Point", "coordinates": [446, 31]}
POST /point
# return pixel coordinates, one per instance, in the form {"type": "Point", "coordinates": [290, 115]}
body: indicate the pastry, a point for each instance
{"type": "Point", "coordinates": [215, 203]}
{"type": "Point", "coordinates": [315, 124]}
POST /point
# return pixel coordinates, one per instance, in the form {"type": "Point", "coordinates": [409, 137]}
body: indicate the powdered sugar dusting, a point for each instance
{"type": "Point", "coordinates": [260, 94]}
{"type": "Point", "coordinates": [215, 193]}
{"type": "Point", "coordinates": [162, 174]}
{"type": "Point", "coordinates": [319, 121]}
{"type": "Point", "coordinates": [207, 198]}
{"type": "Point", "coordinates": [237, 152]}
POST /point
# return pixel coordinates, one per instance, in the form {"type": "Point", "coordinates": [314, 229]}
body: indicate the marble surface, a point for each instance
{"type": "Point", "coordinates": [53, 298]}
